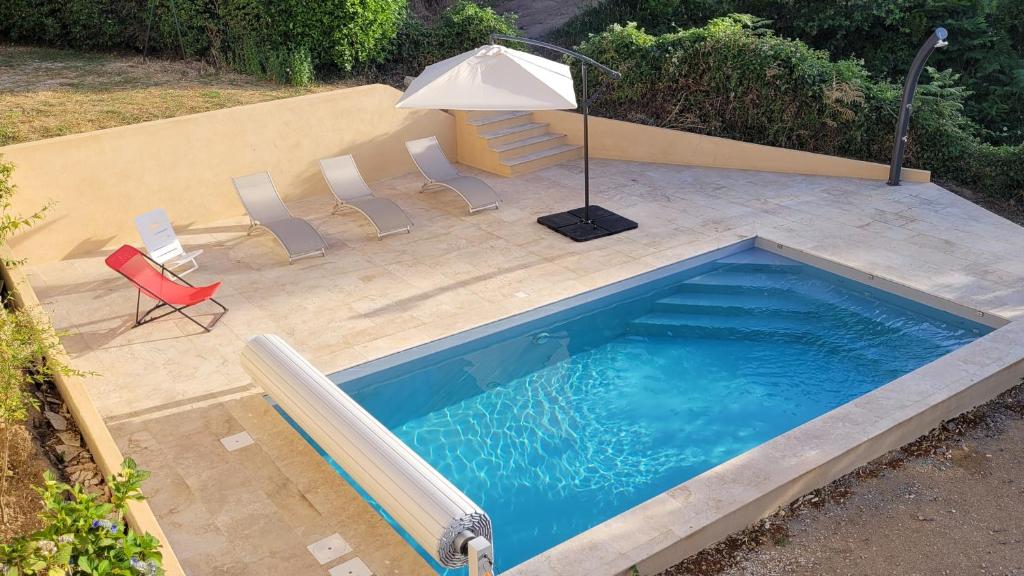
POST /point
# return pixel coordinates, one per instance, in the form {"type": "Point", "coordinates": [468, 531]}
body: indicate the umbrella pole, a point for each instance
{"type": "Point", "coordinates": [587, 222]}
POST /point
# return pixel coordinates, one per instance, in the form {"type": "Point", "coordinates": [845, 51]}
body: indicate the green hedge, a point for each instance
{"type": "Point", "coordinates": [282, 39]}
{"type": "Point", "coordinates": [986, 40]}
{"type": "Point", "coordinates": [88, 24]}
{"type": "Point", "coordinates": [734, 78]}
{"type": "Point", "coordinates": [461, 27]}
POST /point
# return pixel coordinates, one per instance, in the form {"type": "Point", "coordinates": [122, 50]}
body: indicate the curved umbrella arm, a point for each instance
{"type": "Point", "coordinates": [586, 59]}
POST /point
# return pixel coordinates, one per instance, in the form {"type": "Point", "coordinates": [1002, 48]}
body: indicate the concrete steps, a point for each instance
{"type": "Point", "coordinates": [510, 143]}
{"type": "Point", "coordinates": [542, 158]}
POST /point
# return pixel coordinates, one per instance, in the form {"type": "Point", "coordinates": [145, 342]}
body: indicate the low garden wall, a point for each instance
{"type": "Point", "coordinates": [99, 181]}
{"type": "Point", "coordinates": [619, 140]}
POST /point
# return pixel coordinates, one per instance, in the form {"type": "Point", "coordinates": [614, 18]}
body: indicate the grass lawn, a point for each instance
{"type": "Point", "coordinates": [46, 92]}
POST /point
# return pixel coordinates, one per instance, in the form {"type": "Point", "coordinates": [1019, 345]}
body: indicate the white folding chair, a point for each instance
{"type": "Point", "coordinates": [162, 243]}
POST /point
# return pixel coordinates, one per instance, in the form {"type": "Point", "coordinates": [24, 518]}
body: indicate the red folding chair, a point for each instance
{"type": "Point", "coordinates": [139, 270]}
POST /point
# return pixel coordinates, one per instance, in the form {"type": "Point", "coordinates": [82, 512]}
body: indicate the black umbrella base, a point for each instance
{"type": "Point", "coordinates": [602, 223]}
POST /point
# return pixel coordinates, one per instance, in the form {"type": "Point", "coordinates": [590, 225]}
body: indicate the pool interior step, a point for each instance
{"type": "Point", "coordinates": [736, 303]}
{"type": "Point", "coordinates": [689, 325]}
{"type": "Point", "coordinates": [759, 257]}
{"type": "Point", "coordinates": [752, 294]}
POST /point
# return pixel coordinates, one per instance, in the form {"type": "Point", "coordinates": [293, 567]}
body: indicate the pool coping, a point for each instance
{"type": "Point", "coordinates": [675, 524]}
{"type": "Point", "coordinates": [680, 522]}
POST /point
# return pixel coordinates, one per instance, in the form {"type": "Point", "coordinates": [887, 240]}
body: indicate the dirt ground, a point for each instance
{"type": "Point", "coordinates": [46, 92]}
{"type": "Point", "coordinates": [25, 470]}
{"type": "Point", "coordinates": [947, 506]}
{"type": "Point", "coordinates": [538, 17]}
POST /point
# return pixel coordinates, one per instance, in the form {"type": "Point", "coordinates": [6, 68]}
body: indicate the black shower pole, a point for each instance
{"type": "Point", "coordinates": [899, 147]}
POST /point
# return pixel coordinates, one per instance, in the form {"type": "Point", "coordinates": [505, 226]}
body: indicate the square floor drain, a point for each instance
{"type": "Point", "coordinates": [236, 441]}
{"type": "Point", "coordinates": [354, 567]}
{"type": "Point", "coordinates": [330, 548]}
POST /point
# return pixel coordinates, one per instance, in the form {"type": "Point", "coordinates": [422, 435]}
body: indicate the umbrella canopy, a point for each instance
{"type": "Point", "coordinates": [492, 77]}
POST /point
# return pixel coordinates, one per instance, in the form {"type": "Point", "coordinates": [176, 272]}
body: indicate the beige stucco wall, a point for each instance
{"type": "Point", "coordinates": [101, 180]}
{"type": "Point", "coordinates": [618, 140]}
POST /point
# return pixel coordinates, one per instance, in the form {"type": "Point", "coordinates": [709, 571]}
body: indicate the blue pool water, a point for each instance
{"type": "Point", "coordinates": [558, 423]}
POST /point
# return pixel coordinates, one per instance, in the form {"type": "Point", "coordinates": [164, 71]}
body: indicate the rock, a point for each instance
{"type": "Point", "coordinates": [58, 422]}
{"type": "Point", "coordinates": [89, 467]}
{"type": "Point", "coordinates": [70, 438]}
{"type": "Point", "coordinates": [67, 452]}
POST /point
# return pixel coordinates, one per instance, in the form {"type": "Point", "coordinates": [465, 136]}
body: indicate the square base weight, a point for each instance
{"type": "Point", "coordinates": [602, 223]}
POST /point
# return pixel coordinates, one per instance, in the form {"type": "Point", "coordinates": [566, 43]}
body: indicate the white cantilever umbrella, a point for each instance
{"type": "Point", "coordinates": [496, 77]}
{"type": "Point", "coordinates": [492, 77]}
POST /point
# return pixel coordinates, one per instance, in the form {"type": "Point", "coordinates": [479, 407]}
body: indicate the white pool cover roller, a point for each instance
{"type": "Point", "coordinates": [433, 511]}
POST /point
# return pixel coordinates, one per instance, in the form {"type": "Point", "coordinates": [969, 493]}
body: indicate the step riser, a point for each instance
{"type": "Point", "coordinates": [719, 333]}
{"type": "Point", "coordinates": [760, 268]}
{"type": "Point", "coordinates": [534, 165]}
{"type": "Point", "coordinates": [730, 310]}
{"type": "Point", "coordinates": [481, 114]}
{"type": "Point", "coordinates": [517, 136]}
{"type": "Point", "coordinates": [531, 148]}
{"type": "Point", "coordinates": [731, 289]}
{"type": "Point", "coordinates": [502, 124]}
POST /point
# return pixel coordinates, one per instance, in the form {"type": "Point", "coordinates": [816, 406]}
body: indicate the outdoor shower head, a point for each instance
{"type": "Point", "coordinates": [942, 34]}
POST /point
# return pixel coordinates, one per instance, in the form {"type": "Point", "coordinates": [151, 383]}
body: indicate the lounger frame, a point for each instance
{"type": "Point", "coordinates": [255, 225]}
{"type": "Point", "coordinates": [340, 204]}
{"type": "Point", "coordinates": [431, 183]}
{"type": "Point", "coordinates": [439, 184]}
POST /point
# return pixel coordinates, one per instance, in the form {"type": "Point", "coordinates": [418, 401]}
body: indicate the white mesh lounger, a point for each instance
{"type": "Point", "coordinates": [267, 210]}
{"type": "Point", "coordinates": [435, 167]}
{"type": "Point", "coordinates": [162, 243]}
{"type": "Point", "coordinates": [350, 190]}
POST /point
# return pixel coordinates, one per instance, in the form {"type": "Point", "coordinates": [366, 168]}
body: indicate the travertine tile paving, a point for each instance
{"type": "Point", "coordinates": [171, 393]}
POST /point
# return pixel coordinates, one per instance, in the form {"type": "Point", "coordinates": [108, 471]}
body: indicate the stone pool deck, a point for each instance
{"type": "Point", "coordinates": [170, 393]}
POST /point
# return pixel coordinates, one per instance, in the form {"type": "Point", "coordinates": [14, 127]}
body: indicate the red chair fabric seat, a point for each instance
{"type": "Point", "coordinates": [171, 291]}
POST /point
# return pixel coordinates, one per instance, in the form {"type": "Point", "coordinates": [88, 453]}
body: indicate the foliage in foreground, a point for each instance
{"type": "Point", "coordinates": [10, 222]}
{"type": "Point", "coordinates": [27, 343]}
{"type": "Point", "coordinates": [27, 346]}
{"type": "Point", "coordinates": [84, 536]}
{"type": "Point", "coordinates": [737, 79]}
{"type": "Point", "coordinates": [986, 40]}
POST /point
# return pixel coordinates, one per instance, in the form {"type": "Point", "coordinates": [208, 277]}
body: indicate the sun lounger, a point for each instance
{"type": "Point", "coordinates": [439, 172]}
{"type": "Point", "coordinates": [267, 210]}
{"type": "Point", "coordinates": [350, 190]}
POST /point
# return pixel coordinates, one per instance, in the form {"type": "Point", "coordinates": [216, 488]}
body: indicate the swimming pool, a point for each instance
{"type": "Point", "coordinates": [560, 419]}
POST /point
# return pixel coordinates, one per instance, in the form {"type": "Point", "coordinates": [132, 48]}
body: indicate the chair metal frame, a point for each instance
{"type": "Point", "coordinates": [144, 317]}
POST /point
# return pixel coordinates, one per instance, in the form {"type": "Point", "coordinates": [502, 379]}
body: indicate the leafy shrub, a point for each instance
{"type": "Point", "coordinates": [736, 79]}
{"type": "Point", "coordinates": [339, 33]}
{"type": "Point", "coordinates": [89, 24]}
{"type": "Point", "coordinates": [282, 39]}
{"type": "Point", "coordinates": [177, 27]}
{"type": "Point", "coordinates": [986, 40]}
{"type": "Point", "coordinates": [462, 26]}
{"type": "Point", "coordinates": [83, 535]}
